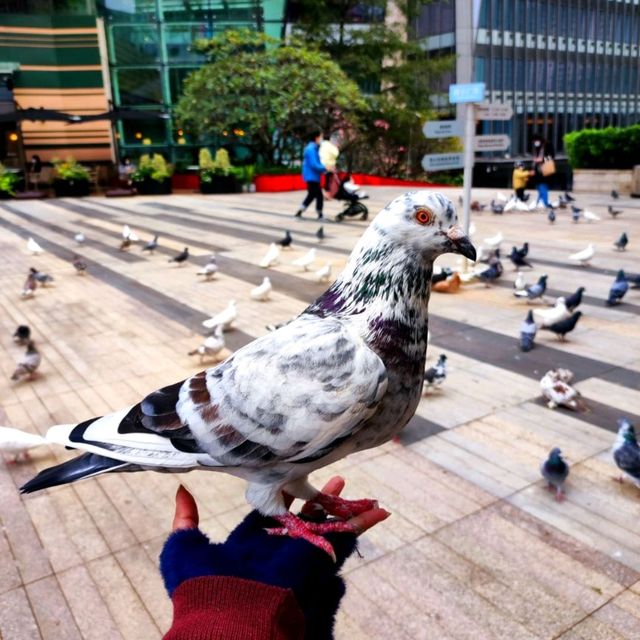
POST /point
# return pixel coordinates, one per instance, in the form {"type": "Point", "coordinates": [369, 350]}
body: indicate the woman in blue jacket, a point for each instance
{"type": "Point", "coordinates": [312, 170]}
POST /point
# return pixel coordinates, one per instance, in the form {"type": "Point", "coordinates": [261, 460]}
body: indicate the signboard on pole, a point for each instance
{"type": "Point", "coordinates": [442, 128]}
{"type": "Point", "coordinates": [494, 111]}
{"type": "Point", "coordinates": [469, 92]}
{"type": "Point", "coordinates": [491, 143]}
{"type": "Point", "coordinates": [442, 161]}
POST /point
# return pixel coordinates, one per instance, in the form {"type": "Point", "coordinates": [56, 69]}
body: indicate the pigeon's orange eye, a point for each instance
{"type": "Point", "coordinates": [424, 216]}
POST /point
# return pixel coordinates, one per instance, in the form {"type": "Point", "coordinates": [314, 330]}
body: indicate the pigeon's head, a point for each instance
{"type": "Point", "coordinates": [22, 334]}
{"type": "Point", "coordinates": [530, 316]}
{"type": "Point", "coordinates": [555, 455]}
{"type": "Point", "coordinates": [626, 430]}
{"type": "Point", "coordinates": [425, 221]}
{"type": "Point", "coordinates": [621, 276]}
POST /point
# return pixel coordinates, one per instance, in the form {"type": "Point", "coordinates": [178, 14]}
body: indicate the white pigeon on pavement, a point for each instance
{"type": "Point", "coordinates": [546, 317]}
{"type": "Point", "coordinates": [212, 345]}
{"type": "Point", "coordinates": [493, 242]}
{"type": "Point", "coordinates": [129, 234]}
{"type": "Point", "coordinates": [584, 257]}
{"type": "Point", "coordinates": [79, 238]}
{"type": "Point", "coordinates": [34, 247]}
{"type": "Point", "coordinates": [589, 216]}
{"type": "Point", "coordinates": [558, 392]}
{"type": "Point", "coordinates": [519, 283]}
{"type": "Point", "coordinates": [521, 206]}
{"type": "Point", "coordinates": [306, 261]}
{"type": "Point", "coordinates": [344, 376]}
{"type": "Point", "coordinates": [324, 273]}
{"type": "Point", "coordinates": [271, 258]}
{"type": "Point", "coordinates": [500, 196]}
{"type": "Point", "coordinates": [225, 318]}
{"type": "Point", "coordinates": [210, 269]}
{"type": "Point", "coordinates": [262, 292]}
{"type": "Point", "coordinates": [510, 205]}
{"type": "Point", "coordinates": [17, 442]}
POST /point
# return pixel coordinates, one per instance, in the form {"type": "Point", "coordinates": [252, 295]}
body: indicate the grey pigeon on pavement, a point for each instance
{"type": "Point", "coordinates": [569, 197]}
{"type": "Point", "coordinates": [528, 330]}
{"type": "Point", "coordinates": [614, 213]}
{"type": "Point", "coordinates": [626, 451]}
{"type": "Point", "coordinates": [551, 216]}
{"type": "Point", "coordinates": [79, 265]}
{"type": "Point", "coordinates": [435, 376]}
{"type": "Point", "coordinates": [320, 233]}
{"type": "Point", "coordinates": [28, 364]}
{"type": "Point", "coordinates": [41, 277]}
{"type": "Point", "coordinates": [152, 245]}
{"type": "Point", "coordinates": [518, 257]}
{"type": "Point", "coordinates": [573, 301]}
{"type": "Point", "coordinates": [535, 291]}
{"type": "Point", "coordinates": [621, 243]}
{"type": "Point", "coordinates": [492, 273]}
{"type": "Point", "coordinates": [618, 289]}
{"type": "Point", "coordinates": [22, 335]}
{"type": "Point", "coordinates": [555, 471]}
{"type": "Point", "coordinates": [562, 327]}
{"type": "Point", "coordinates": [344, 376]}
{"type": "Point", "coordinates": [181, 258]}
{"type": "Point", "coordinates": [575, 213]}
{"type": "Point", "coordinates": [286, 241]}
{"type": "Point", "coordinates": [614, 194]}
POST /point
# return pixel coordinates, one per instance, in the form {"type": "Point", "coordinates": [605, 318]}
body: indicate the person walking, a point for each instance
{"type": "Point", "coordinates": [312, 170]}
{"type": "Point", "coordinates": [545, 167]}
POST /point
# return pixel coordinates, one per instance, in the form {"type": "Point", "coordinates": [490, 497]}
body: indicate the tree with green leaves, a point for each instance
{"type": "Point", "coordinates": [270, 91]}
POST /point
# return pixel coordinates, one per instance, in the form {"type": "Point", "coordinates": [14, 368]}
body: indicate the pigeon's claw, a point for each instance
{"type": "Point", "coordinates": [342, 508]}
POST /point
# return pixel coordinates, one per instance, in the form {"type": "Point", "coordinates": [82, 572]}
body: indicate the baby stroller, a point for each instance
{"type": "Point", "coordinates": [352, 195]}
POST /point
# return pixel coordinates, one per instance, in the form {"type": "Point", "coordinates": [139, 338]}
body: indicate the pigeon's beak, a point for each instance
{"type": "Point", "coordinates": [460, 243]}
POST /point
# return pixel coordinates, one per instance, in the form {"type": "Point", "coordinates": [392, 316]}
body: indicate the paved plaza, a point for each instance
{"type": "Point", "coordinates": [476, 547]}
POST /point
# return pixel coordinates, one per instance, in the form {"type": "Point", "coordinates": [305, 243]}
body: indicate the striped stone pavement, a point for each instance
{"type": "Point", "coordinates": [476, 548]}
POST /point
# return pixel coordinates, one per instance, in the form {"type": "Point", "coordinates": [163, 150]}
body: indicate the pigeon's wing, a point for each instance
{"type": "Point", "coordinates": [290, 396]}
{"type": "Point", "coordinates": [627, 458]}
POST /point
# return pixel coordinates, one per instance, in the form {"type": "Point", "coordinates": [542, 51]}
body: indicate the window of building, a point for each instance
{"type": "Point", "coordinates": [135, 44]}
{"type": "Point", "coordinates": [138, 86]}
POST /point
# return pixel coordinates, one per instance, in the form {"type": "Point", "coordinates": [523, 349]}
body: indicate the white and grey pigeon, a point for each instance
{"type": "Point", "coordinates": [271, 258]}
{"type": "Point", "coordinates": [535, 291]}
{"type": "Point", "coordinates": [212, 345]}
{"type": "Point", "coordinates": [626, 451]}
{"type": "Point", "coordinates": [305, 261]}
{"type": "Point", "coordinates": [17, 442]}
{"type": "Point", "coordinates": [435, 376]}
{"type": "Point", "coordinates": [225, 318]}
{"type": "Point", "coordinates": [29, 286]}
{"type": "Point", "coordinates": [34, 247]}
{"type": "Point", "coordinates": [546, 317]}
{"type": "Point", "coordinates": [129, 234]}
{"type": "Point", "coordinates": [210, 269]}
{"type": "Point", "coordinates": [28, 364]}
{"type": "Point", "coordinates": [555, 471]}
{"type": "Point", "coordinates": [41, 277]}
{"type": "Point", "coordinates": [262, 292]}
{"type": "Point", "coordinates": [528, 330]}
{"type": "Point", "coordinates": [557, 390]}
{"type": "Point", "coordinates": [344, 376]}
{"type": "Point", "coordinates": [584, 257]}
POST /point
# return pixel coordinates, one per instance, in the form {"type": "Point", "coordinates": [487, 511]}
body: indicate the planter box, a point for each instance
{"type": "Point", "coordinates": [602, 180]}
{"type": "Point", "coordinates": [220, 184]}
{"type": "Point", "coordinates": [288, 182]}
{"type": "Point", "coordinates": [149, 187]}
{"type": "Point", "coordinates": [186, 181]}
{"type": "Point", "coordinates": [71, 188]}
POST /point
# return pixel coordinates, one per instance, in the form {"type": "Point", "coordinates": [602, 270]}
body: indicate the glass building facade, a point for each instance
{"type": "Point", "coordinates": [150, 53]}
{"type": "Point", "coordinates": [563, 64]}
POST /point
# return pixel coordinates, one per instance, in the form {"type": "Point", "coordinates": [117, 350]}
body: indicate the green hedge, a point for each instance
{"type": "Point", "coordinates": [611, 148]}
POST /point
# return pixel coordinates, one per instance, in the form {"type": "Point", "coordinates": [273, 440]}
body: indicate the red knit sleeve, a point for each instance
{"type": "Point", "coordinates": [217, 607]}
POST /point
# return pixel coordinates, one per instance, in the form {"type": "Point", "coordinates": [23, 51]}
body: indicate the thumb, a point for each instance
{"type": "Point", "coordinates": [186, 515]}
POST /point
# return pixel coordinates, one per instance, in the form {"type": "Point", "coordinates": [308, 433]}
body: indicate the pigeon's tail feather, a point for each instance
{"type": "Point", "coordinates": [85, 466]}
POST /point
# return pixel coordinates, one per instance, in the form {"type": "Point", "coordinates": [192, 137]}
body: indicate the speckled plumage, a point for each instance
{"type": "Point", "coordinates": [626, 451]}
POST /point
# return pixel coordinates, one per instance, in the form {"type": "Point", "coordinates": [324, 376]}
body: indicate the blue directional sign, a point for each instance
{"type": "Point", "coordinates": [469, 92]}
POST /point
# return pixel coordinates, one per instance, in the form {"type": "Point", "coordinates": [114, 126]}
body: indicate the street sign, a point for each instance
{"type": "Point", "coordinates": [469, 92]}
{"type": "Point", "coordinates": [441, 161]}
{"type": "Point", "coordinates": [494, 111]}
{"type": "Point", "coordinates": [442, 128]}
{"type": "Point", "coordinates": [491, 143]}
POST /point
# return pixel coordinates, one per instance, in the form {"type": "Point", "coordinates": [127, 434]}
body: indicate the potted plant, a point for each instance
{"type": "Point", "coordinates": [8, 183]}
{"type": "Point", "coordinates": [217, 175]}
{"type": "Point", "coordinates": [71, 179]}
{"type": "Point", "coordinates": [153, 175]}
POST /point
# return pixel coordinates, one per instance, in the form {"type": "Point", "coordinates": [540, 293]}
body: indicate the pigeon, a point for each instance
{"type": "Point", "coordinates": [450, 285]}
{"type": "Point", "coordinates": [534, 291]}
{"type": "Point", "coordinates": [545, 317]}
{"type": "Point", "coordinates": [29, 287]}
{"type": "Point", "coordinates": [22, 335]}
{"type": "Point", "coordinates": [518, 259]}
{"type": "Point", "coordinates": [519, 283]}
{"type": "Point", "coordinates": [614, 194]}
{"type": "Point", "coordinates": [573, 301]}
{"type": "Point", "coordinates": [181, 258]}
{"type": "Point", "coordinates": [484, 254]}
{"type": "Point", "coordinates": [621, 243]}
{"type": "Point", "coordinates": [562, 327]}
{"type": "Point", "coordinates": [555, 471]}
{"type": "Point", "coordinates": [225, 318]}
{"type": "Point", "coordinates": [34, 247]}
{"type": "Point", "coordinates": [618, 289]}
{"type": "Point", "coordinates": [568, 197]}
{"type": "Point", "coordinates": [613, 212]}
{"type": "Point", "coordinates": [286, 241]}
{"type": "Point", "coordinates": [496, 207]}
{"type": "Point", "coordinates": [551, 216]}
{"type": "Point", "coordinates": [18, 442]}
{"type": "Point", "coordinates": [589, 216]}
{"type": "Point", "coordinates": [151, 246]}
{"type": "Point", "coordinates": [435, 376]}
{"type": "Point", "coordinates": [212, 345]}
{"type": "Point", "coordinates": [320, 234]}
{"type": "Point", "coordinates": [575, 213]}
{"type": "Point", "coordinates": [634, 280]}
{"type": "Point", "coordinates": [558, 392]}
{"type": "Point", "coordinates": [500, 197]}
{"type": "Point", "coordinates": [477, 206]}
{"type": "Point", "coordinates": [262, 292]}
{"type": "Point", "coordinates": [520, 206]}
{"type": "Point", "coordinates": [210, 269]}
{"type": "Point", "coordinates": [535, 204]}
{"type": "Point", "coordinates": [528, 330]}
{"type": "Point", "coordinates": [129, 234]}
{"type": "Point", "coordinates": [626, 452]}
{"type": "Point", "coordinates": [79, 265]}
{"type": "Point", "coordinates": [344, 376]}
{"type": "Point", "coordinates": [28, 364]}
{"type": "Point", "coordinates": [323, 274]}
{"type": "Point", "coordinates": [492, 273]}
{"type": "Point", "coordinates": [440, 274]}
{"type": "Point", "coordinates": [125, 244]}
{"type": "Point", "coordinates": [494, 241]}
{"type": "Point", "coordinates": [584, 256]}
{"type": "Point", "coordinates": [271, 258]}
{"type": "Point", "coordinates": [306, 261]}
{"type": "Point", "coordinates": [524, 252]}
{"type": "Point", "coordinates": [79, 238]}
{"type": "Point", "coordinates": [512, 205]}
{"type": "Point", "coordinates": [276, 326]}
{"type": "Point", "coordinates": [41, 277]}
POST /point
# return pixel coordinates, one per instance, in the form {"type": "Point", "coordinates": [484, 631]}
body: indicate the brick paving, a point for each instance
{"type": "Point", "coordinates": [476, 548]}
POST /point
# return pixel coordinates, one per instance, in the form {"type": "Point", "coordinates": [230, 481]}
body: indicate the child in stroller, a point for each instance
{"type": "Point", "coordinates": [345, 189]}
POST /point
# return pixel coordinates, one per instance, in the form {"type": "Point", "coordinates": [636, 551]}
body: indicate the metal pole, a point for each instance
{"type": "Point", "coordinates": [469, 133]}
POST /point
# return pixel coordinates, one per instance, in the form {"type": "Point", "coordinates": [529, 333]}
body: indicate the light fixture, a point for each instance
{"type": "Point", "coordinates": [138, 135]}
{"type": "Point", "coordinates": [13, 136]}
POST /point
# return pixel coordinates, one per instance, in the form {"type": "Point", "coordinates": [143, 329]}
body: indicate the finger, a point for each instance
{"type": "Point", "coordinates": [334, 487]}
{"type": "Point", "coordinates": [368, 519]}
{"type": "Point", "coordinates": [186, 516]}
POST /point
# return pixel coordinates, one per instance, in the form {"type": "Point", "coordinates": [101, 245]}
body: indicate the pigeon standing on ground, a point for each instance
{"type": "Point", "coordinates": [519, 283]}
{"type": "Point", "coordinates": [22, 335]}
{"type": "Point", "coordinates": [535, 291]}
{"type": "Point", "coordinates": [212, 345]}
{"type": "Point", "coordinates": [555, 471]}
{"type": "Point", "coordinates": [151, 246]}
{"type": "Point", "coordinates": [129, 234]}
{"type": "Point", "coordinates": [545, 317]}
{"type": "Point", "coordinates": [551, 216]}
{"type": "Point", "coordinates": [492, 273]}
{"type": "Point", "coordinates": [626, 451]}
{"type": "Point", "coordinates": [42, 278]}
{"type": "Point", "coordinates": [569, 197]}
{"type": "Point", "coordinates": [34, 247]}
{"type": "Point", "coordinates": [584, 257]}
{"type": "Point", "coordinates": [528, 330]}
{"type": "Point", "coordinates": [621, 243]}
{"type": "Point", "coordinates": [518, 259]}
{"type": "Point", "coordinates": [305, 261]}
{"type": "Point", "coordinates": [285, 243]}
{"type": "Point", "coordinates": [558, 392]}
{"type": "Point", "coordinates": [210, 269]}
{"type": "Point", "coordinates": [320, 234]}
{"type": "Point", "coordinates": [493, 242]}
{"type": "Point", "coordinates": [79, 265]}
{"type": "Point", "coordinates": [225, 318]}
{"type": "Point", "coordinates": [323, 274]}
{"type": "Point", "coordinates": [574, 300]}
{"type": "Point", "coordinates": [575, 213]}
{"type": "Point", "coordinates": [262, 292]}
{"type": "Point", "coordinates": [618, 289]}
{"type": "Point", "coordinates": [614, 194]}
{"type": "Point", "coordinates": [125, 244]}
{"type": "Point", "coordinates": [344, 376]}
{"type": "Point", "coordinates": [271, 258]}
{"type": "Point", "coordinates": [79, 238]}
{"type": "Point", "coordinates": [613, 212]}
{"type": "Point", "coordinates": [589, 216]}
{"type": "Point", "coordinates": [181, 258]}
{"type": "Point", "coordinates": [435, 376]}
{"type": "Point", "coordinates": [18, 442]}
{"type": "Point", "coordinates": [562, 327]}
{"type": "Point", "coordinates": [28, 364]}
{"type": "Point", "coordinates": [29, 287]}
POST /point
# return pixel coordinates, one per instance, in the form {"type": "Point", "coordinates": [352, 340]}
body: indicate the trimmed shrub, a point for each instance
{"type": "Point", "coordinates": [610, 148]}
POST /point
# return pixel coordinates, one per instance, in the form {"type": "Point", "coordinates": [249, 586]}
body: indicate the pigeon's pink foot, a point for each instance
{"type": "Point", "coordinates": [559, 495]}
{"type": "Point", "coordinates": [342, 508]}
{"type": "Point", "coordinates": [550, 487]}
{"type": "Point", "coordinates": [312, 532]}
